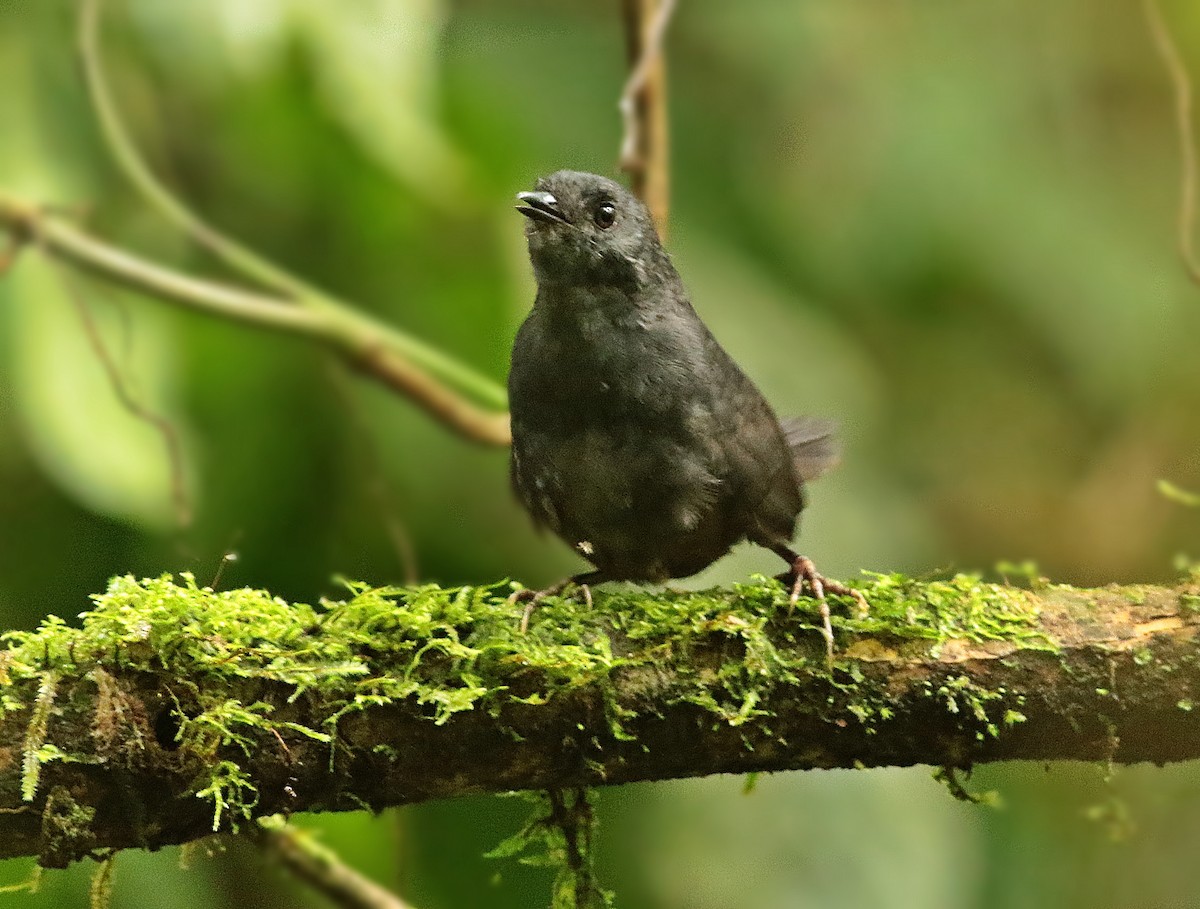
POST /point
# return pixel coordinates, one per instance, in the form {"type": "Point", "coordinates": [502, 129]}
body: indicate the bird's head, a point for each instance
{"type": "Point", "coordinates": [584, 229]}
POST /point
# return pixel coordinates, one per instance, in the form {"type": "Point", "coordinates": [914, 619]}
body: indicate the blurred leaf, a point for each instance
{"type": "Point", "coordinates": [375, 64]}
{"type": "Point", "coordinates": [79, 431]}
{"type": "Point", "coordinates": [1169, 490]}
{"type": "Point", "coordinates": [76, 428]}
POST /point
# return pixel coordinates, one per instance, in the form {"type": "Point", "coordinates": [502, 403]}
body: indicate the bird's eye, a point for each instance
{"type": "Point", "coordinates": [605, 215]}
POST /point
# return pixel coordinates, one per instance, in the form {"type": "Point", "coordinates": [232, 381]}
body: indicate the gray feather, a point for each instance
{"type": "Point", "coordinates": [814, 445]}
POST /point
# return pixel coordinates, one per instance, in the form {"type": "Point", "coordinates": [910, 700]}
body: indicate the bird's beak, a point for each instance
{"type": "Point", "coordinates": [540, 206]}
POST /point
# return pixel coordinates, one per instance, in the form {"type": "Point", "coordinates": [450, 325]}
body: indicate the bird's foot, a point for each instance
{"type": "Point", "coordinates": [805, 572]}
{"type": "Point", "coordinates": [532, 597]}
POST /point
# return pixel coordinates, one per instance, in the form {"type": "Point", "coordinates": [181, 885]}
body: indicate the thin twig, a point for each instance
{"type": "Point", "coordinates": [321, 869]}
{"type": "Point", "coordinates": [643, 104]}
{"type": "Point", "coordinates": [138, 172]}
{"type": "Point", "coordinates": [576, 822]}
{"type": "Point", "coordinates": [100, 892]}
{"type": "Point", "coordinates": [439, 366]}
{"type": "Point", "coordinates": [1182, 86]}
{"type": "Point", "coordinates": [70, 244]}
{"type": "Point", "coordinates": [124, 394]}
{"type": "Point", "coordinates": [348, 333]}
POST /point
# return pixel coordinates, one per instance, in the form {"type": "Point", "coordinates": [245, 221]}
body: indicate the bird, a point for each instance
{"type": "Point", "coordinates": [636, 438]}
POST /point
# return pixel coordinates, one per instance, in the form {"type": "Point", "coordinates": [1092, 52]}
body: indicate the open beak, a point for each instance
{"type": "Point", "coordinates": [540, 206]}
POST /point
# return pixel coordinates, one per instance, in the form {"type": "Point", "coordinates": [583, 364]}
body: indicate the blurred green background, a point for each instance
{"type": "Point", "coordinates": [949, 225]}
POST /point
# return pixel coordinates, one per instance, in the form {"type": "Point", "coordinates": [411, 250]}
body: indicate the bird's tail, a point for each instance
{"type": "Point", "coordinates": [814, 445]}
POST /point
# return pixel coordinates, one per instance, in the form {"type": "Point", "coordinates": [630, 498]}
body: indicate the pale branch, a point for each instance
{"type": "Point", "coordinates": [174, 710]}
{"type": "Point", "coordinates": [321, 868]}
{"type": "Point", "coordinates": [448, 390]}
{"type": "Point", "coordinates": [645, 154]}
{"type": "Point", "coordinates": [368, 346]}
{"type": "Point", "coordinates": [1181, 86]}
{"type": "Point", "coordinates": [433, 373]}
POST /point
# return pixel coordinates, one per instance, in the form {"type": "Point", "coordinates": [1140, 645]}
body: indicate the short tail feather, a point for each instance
{"type": "Point", "coordinates": [814, 445]}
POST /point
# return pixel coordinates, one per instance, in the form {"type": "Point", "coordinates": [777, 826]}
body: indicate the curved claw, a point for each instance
{"type": "Point", "coordinates": [532, 597]}
{"type": "Point", "coordinates": [805, 572]}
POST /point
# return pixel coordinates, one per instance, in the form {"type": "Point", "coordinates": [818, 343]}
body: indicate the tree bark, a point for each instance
{"type": "Point", "coordinates": [175, 709]}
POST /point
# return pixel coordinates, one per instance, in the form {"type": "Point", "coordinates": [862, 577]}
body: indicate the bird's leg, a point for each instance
{"type": "Point", "coordinates": [804, 571]}
{"type": "Point", "coordinates": [532, 597]}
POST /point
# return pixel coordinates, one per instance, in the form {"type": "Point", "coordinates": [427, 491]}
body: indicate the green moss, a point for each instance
{"type": "Point", "coordinates": [100, 891]}
{"type": "Point", "coordinates": [962, 607]}
{"type": "Point", "coordinates": [962, 696]}
{"type": "Point", "coordinates": [66, 828]}
{"type": "Point", "coordinates": [231, 792]}
{"type": "Point", "coordinates": [955, 782]}
{"type": "Point", "coordinates": [32, 756]}
{"type": "Point", "coordinates": [449, 650]}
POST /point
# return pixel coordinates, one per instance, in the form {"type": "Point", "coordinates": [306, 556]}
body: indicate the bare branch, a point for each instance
{"type": "Point", "coordinates": [1181, 84]}
{"type": "Point", "coordinates": [321, 869]}
{"type": "Point", "coordinates": [367, 346]}
{"type": "Point", "coordinates": [435, 366]}
{"type": "Point", "coordinates": [644, 147]}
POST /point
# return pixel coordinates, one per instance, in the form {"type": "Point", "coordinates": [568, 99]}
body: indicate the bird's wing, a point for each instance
{"type": "Point", "coordinates": [766, 488]}
{"type": "Point", "coordinates": [527, 459]}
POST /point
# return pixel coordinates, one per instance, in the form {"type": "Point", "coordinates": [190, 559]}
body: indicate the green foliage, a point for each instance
{"type": "Point", "coordinates": [559, 835]}
{"type": "Point", "coordinates": [963, 696]}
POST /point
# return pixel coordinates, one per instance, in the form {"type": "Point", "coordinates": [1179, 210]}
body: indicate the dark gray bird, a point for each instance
{"type": "Point", "coordinates": [636, 437]}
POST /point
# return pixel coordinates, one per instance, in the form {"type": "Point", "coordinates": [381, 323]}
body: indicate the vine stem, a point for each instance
{"type": "Point", "coordinates": [644, 147]}
{"type": "Point", "coordinates": [1182, 86]}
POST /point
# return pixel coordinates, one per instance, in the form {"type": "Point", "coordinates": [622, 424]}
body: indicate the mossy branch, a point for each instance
{"type": "Point", "coordinates": [171, 710]}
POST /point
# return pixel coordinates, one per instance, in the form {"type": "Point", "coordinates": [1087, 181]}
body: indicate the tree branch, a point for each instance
{"type": "Point", "coordinates": [366, 345]}
{"type": "Point", "coordinates": [174, 711]}
{"type": "Point", "coordinates": [441, 385]}
{"type": "Point", "coordinates": [436, 367]}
